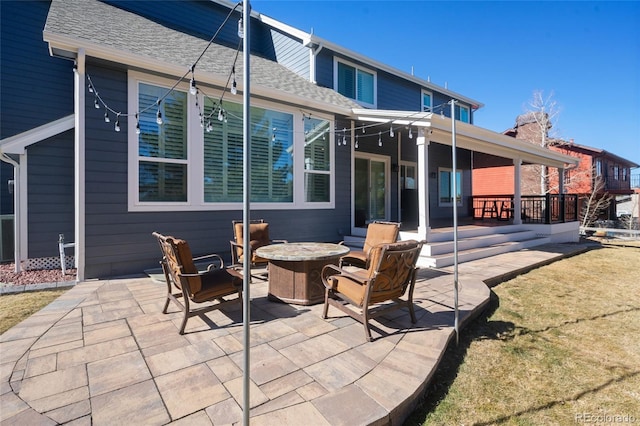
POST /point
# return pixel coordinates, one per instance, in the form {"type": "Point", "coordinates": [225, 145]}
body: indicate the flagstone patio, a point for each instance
{"type": "Point", "coordinates": [104, 354]}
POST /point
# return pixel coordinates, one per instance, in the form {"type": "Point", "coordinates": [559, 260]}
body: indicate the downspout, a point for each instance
{"type": "Point", "coordinates": [16, 210]}
{"type": "Point", "coordinates": [314, 49]}
{"type": "Point", "coordinates": [79, 161]}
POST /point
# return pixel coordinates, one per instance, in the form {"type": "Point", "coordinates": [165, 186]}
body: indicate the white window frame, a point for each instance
{"type": "Point", "coordinates": [450, 170]}
{"type": "Point", "coordinates": [195, 154]}
{"type": "Point", "coordinates": [430, 107]}
{"type": "Point", "coordinates": [360, 68]}
{"type": "Point", "coordinates": [466, 108]}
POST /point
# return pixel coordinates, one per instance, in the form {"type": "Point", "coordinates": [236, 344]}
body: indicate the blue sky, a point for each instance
{"type": "Point", "coordinates": [586, 55]}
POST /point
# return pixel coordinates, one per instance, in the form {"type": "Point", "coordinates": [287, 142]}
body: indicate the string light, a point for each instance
{"type": "Point", "coordinates": [379, 138]}
{"type": "Point", "coordinates": [410, 133]}
{"type": "Point", "coordinates": [192, 87]}
{"type": "Point", "coordinates": [117, 125]}
{"type": "Point", "coordinates": [240, 28]}
{"type": "Point", "coordinates": [106, 116]}
{"type": "Point", "coordinates": [96, 103]}
{"type": "Point", "coordinates": [137, 125]}
{"type": "Point", "coordinates": [234, 85]}
{"type": "Point", "coordinates": [356, 144]}
{"type": "Point", "coordinates": [90, 87]}
{"type": "Point", "coordinates": [159, 115]}
{"type": "Point", "coordinates": [391, 131]}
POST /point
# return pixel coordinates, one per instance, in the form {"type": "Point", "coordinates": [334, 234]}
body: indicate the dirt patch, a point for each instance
{"type": "Point", "coordinates": [40, 276]}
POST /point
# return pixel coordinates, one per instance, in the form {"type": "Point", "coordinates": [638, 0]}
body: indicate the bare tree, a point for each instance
{"type": "Point", "coordinates": [596, 203]}
{"type": "Point", "coordinates": [541, 117]}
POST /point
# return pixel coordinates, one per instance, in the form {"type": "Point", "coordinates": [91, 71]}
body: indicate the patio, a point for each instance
{"type": "Point", "coordinates": [103, 353]}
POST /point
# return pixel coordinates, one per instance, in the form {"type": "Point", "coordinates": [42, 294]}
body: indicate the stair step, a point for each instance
{"type": "Point", "coordinates": [467, 255]}
{"type": "Point", "coordinates": [434, 249]}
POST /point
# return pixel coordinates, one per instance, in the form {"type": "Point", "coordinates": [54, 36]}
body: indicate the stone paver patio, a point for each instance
{"type": "Point", "coordinates": [104, 354]}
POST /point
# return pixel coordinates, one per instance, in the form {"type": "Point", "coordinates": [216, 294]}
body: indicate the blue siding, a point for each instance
{"type": "Point", "coordinates": [440, 156]}
{"type": "Point", "coordinates": [398, 94]}
{"type": "Point", "coordinates": [119, 242]}
{"type": "Point", "coordinates": [291, 53]}
{"type": "Point", "coordinates": [36, 88]}
{"type": "Point", "coordinates": [50, 194]}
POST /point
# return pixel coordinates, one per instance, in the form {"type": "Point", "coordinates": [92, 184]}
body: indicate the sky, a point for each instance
{"type": "Point", "coordinates": [582, 56]}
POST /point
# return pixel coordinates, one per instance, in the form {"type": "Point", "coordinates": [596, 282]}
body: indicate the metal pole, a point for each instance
{"type": "Point", "coordinates": [246, 216]}
{"type": "Point", "coordinates": [455, 219]}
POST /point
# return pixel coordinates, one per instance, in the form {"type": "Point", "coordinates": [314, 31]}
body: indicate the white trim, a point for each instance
{"type": "Point", "coordinates": [311, 39]}
{"type": "Point", "coordinates": [80, 165]}
{"type": "Point", "coordinates": [336, 61]}
{"type": "Point", "coordinates": [386, 160]}
{"type": "Point", "coordinates": [59, 45]}
{"type": "Point", "coordinates": [422, 93]}
{"type": "Point", "coordinates": [17, 144]}
{"type": "Point", "coordinates": [195, 165]}
{"type": "Point", "coordinates": [469, 136]}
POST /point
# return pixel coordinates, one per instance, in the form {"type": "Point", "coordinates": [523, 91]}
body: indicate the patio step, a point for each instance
{"type": "Point", "coordinates": [480, 252]}
{"type": "Point", "coordinates": [474, 242]}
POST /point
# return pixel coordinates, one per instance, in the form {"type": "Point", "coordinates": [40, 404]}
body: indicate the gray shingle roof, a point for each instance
{"type": "Point", "coordinates": [96, 23]}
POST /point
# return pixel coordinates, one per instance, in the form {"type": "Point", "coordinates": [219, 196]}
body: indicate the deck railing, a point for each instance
{"type": "Point", "coordinates": [545, 209]}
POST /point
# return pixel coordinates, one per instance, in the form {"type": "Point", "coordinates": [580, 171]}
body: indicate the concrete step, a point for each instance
{"type": "Point", "coordinates": [447, 259]}
{"type": "Point", "coordinates": [469, 243]}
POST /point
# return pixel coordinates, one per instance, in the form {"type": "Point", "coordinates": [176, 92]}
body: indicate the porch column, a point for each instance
{"type": "Point", "coordinates": [423, 185]}
{"type": "Point", "coordinates": [560, 180]}
{"type": "Point", "coordinates": [79, 157]}
{"type": "Point", "coordinates": [517, 192]}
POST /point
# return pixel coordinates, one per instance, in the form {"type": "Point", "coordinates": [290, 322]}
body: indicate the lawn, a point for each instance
{"type": "Point", "coordinates": [559, 345]}
{"type": "Point", "coordinates": [16, 307]}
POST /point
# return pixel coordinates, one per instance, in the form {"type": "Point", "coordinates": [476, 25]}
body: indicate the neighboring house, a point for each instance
{"type": "Point", "coordinates": [338, 139]}
{"type": "Point", "coordinates": [599, 172]}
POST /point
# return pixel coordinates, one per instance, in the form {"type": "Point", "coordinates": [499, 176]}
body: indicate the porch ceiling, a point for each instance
{"type": "Point", "coordinates": [438, 129]}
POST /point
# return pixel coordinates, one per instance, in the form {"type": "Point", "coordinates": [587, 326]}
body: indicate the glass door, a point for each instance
{"type": "Point", "coordinates": [371, 200]}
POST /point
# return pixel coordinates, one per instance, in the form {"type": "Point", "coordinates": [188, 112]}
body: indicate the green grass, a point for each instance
{"type": "Point", "coordinates": [558, 342]}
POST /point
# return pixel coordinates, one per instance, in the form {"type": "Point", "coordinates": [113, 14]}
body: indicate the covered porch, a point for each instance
{"type": "Point", "coordinates": [488, 225]}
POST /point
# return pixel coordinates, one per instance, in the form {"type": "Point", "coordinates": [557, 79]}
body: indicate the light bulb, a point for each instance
{"type": "Point", "coordinates": [379, 138]}
{"type": "Point", "coordinates": [209, 126]}
{"type": "Point", "coordinates": [137, 125]}
{"type": "Point", "coordinates": [159, 117]}
{"type": "Point", "coordinates": [106, 117]}
{"type": "Point", "coordinates": [192, 87]}
{"type": "Point", "coordinates": [240, 28]}
{"type": "Point", "coordinates": [410, 133]}
{"type": "Point", "coordinates": [96, 103]}
{"type": "Point", "coordinates": [391, 132]}
{"type": "Point", "coordinates": [234, 87]}
{"type": "Point", "coordinates": [90, 87]}
{"type": "Point", "coordinates": [117, 125]}
{"type": "Point", "coordinates": [220, 115]}
{"type": "Point", "coordinates": [356, 145]}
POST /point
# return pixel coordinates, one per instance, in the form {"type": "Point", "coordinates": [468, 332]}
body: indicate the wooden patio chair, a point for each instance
{"type": "Point", "coordinates": [258, 237]}
{"type": "Point", "coordinates": [378, 232]}
{"type": "Point", "coordinates": [377, 290]}
{"type": "Point", "coordinates": [211, 285]}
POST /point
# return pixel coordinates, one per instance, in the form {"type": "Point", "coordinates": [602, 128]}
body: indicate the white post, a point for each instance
{"type": "Point", "coordinates": [423, 185]}
{"type": "Point", "coordinates": [454, 182]}
{"type": "Point", "coordinates": [79, 153]}
{"type": "Point", "coordinates": [517, 192]}
{"type": "Point", "coordinates": [246, 213]}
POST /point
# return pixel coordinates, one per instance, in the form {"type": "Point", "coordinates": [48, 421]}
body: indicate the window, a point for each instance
{"type": "Point", "coordinates": [271, 155]}
{"type": "Point", "coordinates": [616, 172]}
{"type": "Point", "coordinates": [445, 187]}
{"type": "Point", "coordinates": [462, 113]}
{"type": "Point", "coordinates": [427, 101]}
{"type": "Point", "coordinates": [182, 165]}
{"type": "Point", "coordinates": [356, 83]}
{"type": "Point", "coordinates": [317, 161]}
{"type": "Point", "coordinates": [162, 149]}
{"type": "Point", "coordinates": [598, 167]}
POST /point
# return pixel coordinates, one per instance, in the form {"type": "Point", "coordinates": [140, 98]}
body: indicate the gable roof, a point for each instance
{"type": "Point", "coordinates": [18, 143]}
{"type": "Point", "coordinates": [593, 152]}
{"type": "Point", "coordinates": [107, 32]}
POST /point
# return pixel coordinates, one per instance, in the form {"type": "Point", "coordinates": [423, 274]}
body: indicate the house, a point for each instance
{"type": "Point", "coordinates": [598, 171]}
{"type": "Point", "coordinates": [110, 144]}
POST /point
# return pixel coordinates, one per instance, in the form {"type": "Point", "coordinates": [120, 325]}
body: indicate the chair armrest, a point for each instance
{"type": "Point", "coordinates": [330, 270]}
{"type": "Point", "coordinates": [211, 256]}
